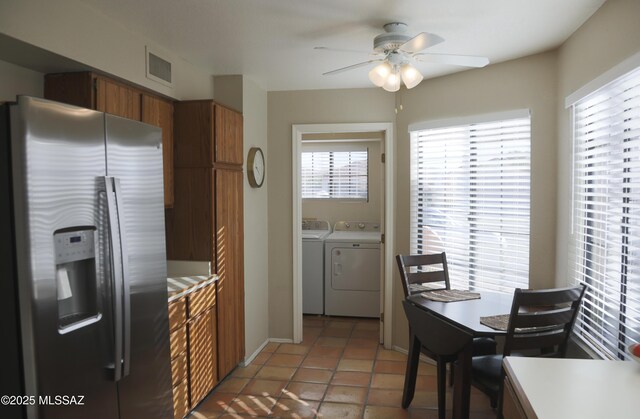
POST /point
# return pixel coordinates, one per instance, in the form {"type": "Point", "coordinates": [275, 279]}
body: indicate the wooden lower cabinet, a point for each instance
{"type": "Point", "coordinates": [178, 347]}
{"type": "Point", "coordinates": [202, 360]}
{"type": "Point", "coordinates": [193, 341]}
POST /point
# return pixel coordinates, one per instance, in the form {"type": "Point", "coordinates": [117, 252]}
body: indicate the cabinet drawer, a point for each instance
{"type": "Point", "coordinates": [201, 300]}
{"type": "Point", "coordinates": [179, 369]}
{"type": "Point", "coordinates": [177, 313]}
{"type": "Point", "coordinates": [181, 400]}
{"type": "Point", "coordinates": [178, 341]}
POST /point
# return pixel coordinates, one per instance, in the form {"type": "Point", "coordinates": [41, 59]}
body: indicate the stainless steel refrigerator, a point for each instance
{"type": "Point", "coordinates": [82, 250]}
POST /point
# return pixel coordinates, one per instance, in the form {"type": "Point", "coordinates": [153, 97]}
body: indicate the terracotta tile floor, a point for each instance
{"type": "Point", "coordinates": [338, 371]}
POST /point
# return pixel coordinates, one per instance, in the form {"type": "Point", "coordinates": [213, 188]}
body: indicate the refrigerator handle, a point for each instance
{"type": "Point", "coordinates": [120, 287]}
{"type": "Point", "coordinates": [126, 294]}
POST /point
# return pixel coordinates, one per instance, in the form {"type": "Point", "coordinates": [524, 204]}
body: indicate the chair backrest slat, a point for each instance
{"type": "Point", "coordinates": [559, 317]}
{"type": "Point", "coordinates": [424, 277]}
{"type": "Point", "coordinates": [426, 269]}
{"type": "Point", "coordinates": [541, 341]}
{"type": "Point", "coordinates": [542, 319]}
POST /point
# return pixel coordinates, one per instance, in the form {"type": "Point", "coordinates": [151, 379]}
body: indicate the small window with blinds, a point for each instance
{"type": "Point", "coordinates": [339, 175]}
{"type": "Point", "coordinates": [470, 188]}
{"type": "Point", "coordinates": [606, 215]}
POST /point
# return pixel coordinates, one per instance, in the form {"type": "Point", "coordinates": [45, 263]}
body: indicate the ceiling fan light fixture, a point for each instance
{"type": "Point", "coordinates": [411, 76]}
{"type": "Point", "coordinates": [392, 84]}
{"type": "Point", "coordinates": [378, 75]}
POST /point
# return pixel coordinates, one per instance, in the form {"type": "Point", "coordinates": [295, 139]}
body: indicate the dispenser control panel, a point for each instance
{"type": "Point", "coordinates": [70, 246]}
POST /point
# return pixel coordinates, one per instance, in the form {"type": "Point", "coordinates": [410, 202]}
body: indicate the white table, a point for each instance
{"type": "Point", "coordinates": [575, 388]}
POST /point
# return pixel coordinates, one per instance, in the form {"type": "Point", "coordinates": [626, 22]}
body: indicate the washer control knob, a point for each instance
{"type": "Point", "coordinates": [347, 225]}
{"type": "Point", "coordinates": [361, 226]}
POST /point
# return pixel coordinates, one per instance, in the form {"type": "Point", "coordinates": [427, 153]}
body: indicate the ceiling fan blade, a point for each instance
{"type": "Point", "coordinates": [462, 60]}
{"type": "Point", "coordinates": [352, 51]}
{"type": "Point", "coordinates": [351, 67]}
{"type": "Point", "coordinates": [421, 41]}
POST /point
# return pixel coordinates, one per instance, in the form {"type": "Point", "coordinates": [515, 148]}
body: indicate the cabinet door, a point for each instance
{"type": "Point", "coordinates": [117, 99]}
{"type": "Point", "coordinates": [201, 356]}
{"type": "Point", "coordinates": [230, 268]}
{"type": "Point", "coordinates": [190, 223]}
{"type": "Point", "coordinates": [228, 136]}
{"type": "Point", "coordinates": [159, 112]}
{"type": "Point", "coordinates": [73, 88]}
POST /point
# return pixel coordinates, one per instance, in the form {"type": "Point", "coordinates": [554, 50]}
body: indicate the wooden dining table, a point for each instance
{"type": "Point", "coordinates": [447, 329]}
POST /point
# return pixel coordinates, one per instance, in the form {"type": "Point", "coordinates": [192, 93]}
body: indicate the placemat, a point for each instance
{"type": "Point", "coordinates": [449, 296]}
{"type": "Point", "coordinates": [499, 322]}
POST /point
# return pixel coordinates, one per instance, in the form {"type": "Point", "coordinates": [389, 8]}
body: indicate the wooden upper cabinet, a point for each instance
{"type": "Point", "coordinates": [117, 99]}
{"type": "Point", "coordinates": [193, 133]}
{"type": "Point", "coordinates": [159, 112]}
{"type": "Point", "coordinates": [207, 133]}
{"type": "Point", "coordinates": [228, 136]}
{"type": "Point", "coordinates": [95, 91]}
{"type": "Point", "coordinates": [72, 88]}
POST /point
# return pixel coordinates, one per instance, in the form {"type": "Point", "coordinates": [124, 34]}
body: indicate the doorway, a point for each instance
{"type": "Point", "coordinates": [386, 221]}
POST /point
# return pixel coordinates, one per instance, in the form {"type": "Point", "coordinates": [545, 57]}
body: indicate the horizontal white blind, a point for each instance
{"type": "Point", "coordinates": [470, 198]}
{"type": "Point", "coordinates": [606, 241]}
{"type": "Point", "coordinates": [335, 174]}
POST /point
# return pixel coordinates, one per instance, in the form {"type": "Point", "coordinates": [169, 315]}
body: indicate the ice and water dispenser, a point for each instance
{"type": "Point", "coordinates": [76, 281]}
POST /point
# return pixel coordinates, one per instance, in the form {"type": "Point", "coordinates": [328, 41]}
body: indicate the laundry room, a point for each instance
{"type": "Point", "coordinates": [342, 194]}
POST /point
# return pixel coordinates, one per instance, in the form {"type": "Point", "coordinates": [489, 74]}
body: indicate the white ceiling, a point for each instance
{"type": "Point", "coordinates": [272, 41]}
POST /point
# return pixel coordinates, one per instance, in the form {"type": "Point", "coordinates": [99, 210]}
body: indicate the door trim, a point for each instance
{"type": "Point", "coordinates": [296, 141]}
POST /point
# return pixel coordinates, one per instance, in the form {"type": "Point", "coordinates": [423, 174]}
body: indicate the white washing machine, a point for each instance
{"type": "Point", "coordinates": [313, 236]}
{"type": "Point", "coordinates": [352, 270]}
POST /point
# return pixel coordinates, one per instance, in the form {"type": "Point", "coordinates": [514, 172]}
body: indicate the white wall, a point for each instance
{"type": "Point", "coordinates": [256, 222]}
{"type": "Point", "coordinates": [284, 110]}
{"type": "Point", "coordinates": [74, 30]}
{"type": "Point", "coordinates": [15, 80]}
{"type": "Point", "coordinates": [526, 83]}
{"type": "Point", "coordinates": [607, 38]}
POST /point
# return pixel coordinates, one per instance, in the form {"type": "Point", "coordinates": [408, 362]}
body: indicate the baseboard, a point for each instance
{"type": "Point", "coordinates": [423, 358]}
{"type": "Point", "coordinates": [279, 340]}
{"type": "Point", "coordinates": [251, 357]}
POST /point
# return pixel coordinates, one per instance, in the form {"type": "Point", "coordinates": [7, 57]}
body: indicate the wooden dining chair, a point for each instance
{"type": "Point", "coordinates": [540, 324]}
{"type": "Point", "coordinates": [420, 273]}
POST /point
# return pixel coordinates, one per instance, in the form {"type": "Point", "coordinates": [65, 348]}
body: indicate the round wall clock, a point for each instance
{"type": "Point", "coordinates": [255, 167]}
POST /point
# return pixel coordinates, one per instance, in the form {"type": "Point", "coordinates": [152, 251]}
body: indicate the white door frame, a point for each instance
{"type": "Point", "coordinates": [389, 232]}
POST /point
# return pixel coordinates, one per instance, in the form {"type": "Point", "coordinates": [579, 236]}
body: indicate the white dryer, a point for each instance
{"type": "Point", "coordinates": [352, 270]}
{"type": "Point", "coordinates": [313, 236]}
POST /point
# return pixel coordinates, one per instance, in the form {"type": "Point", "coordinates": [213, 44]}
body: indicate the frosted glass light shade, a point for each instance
{"type": "Point", "coordinates": [392, 84]}
{"type": "Point", "coordinates": [411, 76]}
{"type": "Point", "coordinates": [378, 75]}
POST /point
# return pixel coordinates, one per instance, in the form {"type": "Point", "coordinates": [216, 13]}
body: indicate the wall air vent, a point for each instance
{"type": "Point", "coordinates": [158, 69]}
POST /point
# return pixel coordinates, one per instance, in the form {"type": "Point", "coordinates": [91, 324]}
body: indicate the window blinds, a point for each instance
{"type": "Point", "coordinates": [606, 215]}
{"type": "Point", "coordinates": [335, 174]}
{"type": "Point", "coordinates": [470, 198]}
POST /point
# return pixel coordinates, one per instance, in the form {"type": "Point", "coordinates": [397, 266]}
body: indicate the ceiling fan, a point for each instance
{"type": "Point", "coordinates": [396, 49]}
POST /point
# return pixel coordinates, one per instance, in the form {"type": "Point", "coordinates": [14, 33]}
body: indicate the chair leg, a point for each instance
{"type": "Point", "coordinates": [451, 373]}
{"type": "Point", "coordinates": [442, 388]}
{"type": "Point", "coordinates": [500, 400]}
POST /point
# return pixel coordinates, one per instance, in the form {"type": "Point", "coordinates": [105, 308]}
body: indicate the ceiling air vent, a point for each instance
{"type": "Point", "coordinates": [158, 69]}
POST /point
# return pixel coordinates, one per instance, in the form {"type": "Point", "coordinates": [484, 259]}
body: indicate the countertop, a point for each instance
{"type": "Point", "coordinates": [180, 286]}
{"type": "Point", "coordinates": [575, 388]}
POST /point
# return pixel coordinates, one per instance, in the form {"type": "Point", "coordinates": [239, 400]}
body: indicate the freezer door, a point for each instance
{"type": "Point", "coordinates": [134, 161]}
{"type": "Point", "coordinates": [58, 160]}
